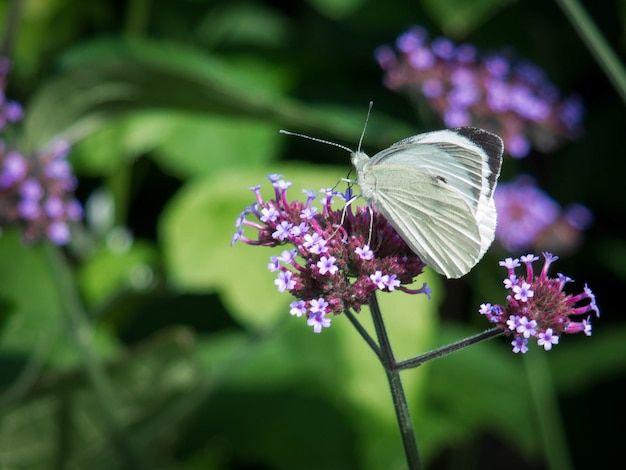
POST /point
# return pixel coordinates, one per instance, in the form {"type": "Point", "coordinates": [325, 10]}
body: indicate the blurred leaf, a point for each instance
{"type": "Point", "coordinates": [109, 78]}
{"type": "Point", "coordinates": [23, 272]}
{"type": "Point", "coordinates": [183, 144]}
{"type": "Point", "coordinates": [244, 23]}
{"type": "Point", "coordinates": [44, 27]}
{"type": "Point", "coordinates": [461, 397]}
{"type": "Point", "coordinates": [37, 323]}
{"type": "Point", "coordinates": [336, 366]}
{"type": "Point", "coordinates": [594, 359]}
{"type": "Point", "coordinates": [458, 18]}
{"type": "Point", "coordinates": [611, 253]}
{"type": "Point", "coordinates": [119, 142]}
{"type": "Point", "coordinates": [150, 386]}
{"type": "Point", "coordinates": [105, 272]}
{"type": "Point", "coordinates": [337, 9]}
{"type": "Point", "coordinates": [203, 144]}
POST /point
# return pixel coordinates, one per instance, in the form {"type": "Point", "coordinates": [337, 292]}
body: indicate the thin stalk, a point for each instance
{"type": "Point", "coordinates": [397, 391]}
{"type": "Point", "coordinates": [20, 387]}
{"type": "Point", "coordinates": [543, 395]}
{"type": "Point", "coordinates": [80, 333]}
{"type": "Point", "coordinates": [450, 348]}
{"type": "Point", "coordinates": [137, 17]}
{"type": "Point", "coordinates": [10, 28]}
{"type": "Point", "coordinates": [597, 45]}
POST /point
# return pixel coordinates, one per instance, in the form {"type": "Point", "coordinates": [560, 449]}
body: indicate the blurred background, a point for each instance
{"type": "Point", "coordinates": [148, 342]}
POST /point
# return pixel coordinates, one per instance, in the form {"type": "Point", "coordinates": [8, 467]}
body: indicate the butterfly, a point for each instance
{"type": "Point", "coordinates": [436, 190]}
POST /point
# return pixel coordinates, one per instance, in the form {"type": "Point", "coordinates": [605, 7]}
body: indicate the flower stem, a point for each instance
{"type": "Point", "coordinates": [450, 348]}
{"type": "Point", "coordinates": [596, 43]}
{"type": "Point", "coordinates": [550, 423]}
{"type": "Point", "coordinates": [397, 392]}
{"type": "Point", "coordinates": [10, 28]}
{"type": "Point", "coordinates": [80, 332]}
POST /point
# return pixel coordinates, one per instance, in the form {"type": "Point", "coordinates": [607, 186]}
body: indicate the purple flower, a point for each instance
{"type": "Point", "coordinates": [329, 267]}
{"type": "Point", "coordinates": [58, 169]}
{"type": "Point", "coordinates": [364, 252]}
{"type": "Point", "coordinates": [298, 308]}
{"type": "Point", "coordinates": [14, 168]}
{"type": "Point", "coordinates": [326, 265]}
{"type": "Point", "coordinates": [73, 210]}
{"type": "Point", "coordinates": [318, 321]}
{"type": "Point", "coordinates": [31, 189]}
{"type": "Point", "coordinates": [496, 91]}
{"type": "Point", "coordinates": [520, 344]}
{"type": "Point", "coordinates": [35, 190]}
{"type": "Point", "coordinates": [547, 339]}
{"type": "Point", "coordinates": [537, 307]}
{"type": "Point", "coordinates": [54, 207]}
{"type": "Point", "coordinates": [59, 232]}
{"type": "Point", "coordinates": [285, 281]}
{"type": "Point", "coordinates": [29, 209]}
{"type": "Point", "coordinates": [528, 218]}
{"type": "Point", "coordinates": [522, 292]}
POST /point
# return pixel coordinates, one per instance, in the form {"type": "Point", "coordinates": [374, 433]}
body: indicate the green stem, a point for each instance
{"type": "Point", "coordinates": [119, 185]}
{"type": "Point", "coordinates": [80, 333]}
{"type": "Point", "coordinates": [10, 28]}
{"type": "Point", "coordinates": [543, 395]}
{"type": "Point", "coordinates": [137, 17]}
{"type": "Point", "coordinates": [20, 387]}
{"type": "Point", "coordinates": [450, 348]}
{"type": "Point", "coordinates": [596, 43]}
{"type": "Point", "coordinates": [397, 392]}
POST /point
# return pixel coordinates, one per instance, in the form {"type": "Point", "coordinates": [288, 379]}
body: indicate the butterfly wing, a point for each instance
{"type": "Point", "coordinates": [436, 190]}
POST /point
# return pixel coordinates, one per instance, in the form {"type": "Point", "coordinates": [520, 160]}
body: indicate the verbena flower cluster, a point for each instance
{"type": "Point", "coordinates": [529, 218]}
{"type": "Point", "coordinates": [36, 192]}
{"type": "Point", "coordinates": [334, 259]}
{"type": "Point", "coordinates": [537, 307]}
{"type": "Point", "coordinates": [496, 91]}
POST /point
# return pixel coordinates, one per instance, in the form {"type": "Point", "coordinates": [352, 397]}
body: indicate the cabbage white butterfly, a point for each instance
{"type": "Point", "coordinates": [436, 190]}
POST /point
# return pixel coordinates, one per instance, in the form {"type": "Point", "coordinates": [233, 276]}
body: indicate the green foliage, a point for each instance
{"type": "Point", "coordinates": [458, 17]}
{"type": "Point", "coordinates": [177, 119]}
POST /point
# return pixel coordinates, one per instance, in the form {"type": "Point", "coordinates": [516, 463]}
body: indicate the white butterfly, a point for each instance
{"type": "Point", "coordinates": [436, 189]}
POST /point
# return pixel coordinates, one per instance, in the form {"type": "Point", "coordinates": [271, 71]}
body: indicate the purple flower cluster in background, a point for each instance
{"type": "Point", "coordinates": [35, 191]}
{"type": "Point", "coordinates": [538, 307]}
{"type": "Point", "coordinates": [495, 91]}
{"type": "Point", "coordinates": [530, 218]}
{"type": "Point", "coordinates": [337, 259]}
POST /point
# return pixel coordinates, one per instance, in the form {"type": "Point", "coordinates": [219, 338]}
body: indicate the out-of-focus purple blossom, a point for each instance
{"type": "Point", "coordinates": [529, 218]}
{"type": "Point", "coordinates": [35, 191]}
{"type": "Point", "coordinates": [496, 91]}
{"type": "Point", "coordinates": [13, 169]}
{"type": "Point", "coordinates": [33, 198]}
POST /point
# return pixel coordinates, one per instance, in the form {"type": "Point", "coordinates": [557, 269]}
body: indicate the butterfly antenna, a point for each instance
{"type": "Point", "coordinates": [367, 118]}
{"type": "Point", "coordinates": [315, 139]}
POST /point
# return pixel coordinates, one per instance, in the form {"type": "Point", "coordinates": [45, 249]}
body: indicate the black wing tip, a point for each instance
{"type": "Point", "coordinates": [490, 142]}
